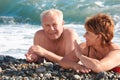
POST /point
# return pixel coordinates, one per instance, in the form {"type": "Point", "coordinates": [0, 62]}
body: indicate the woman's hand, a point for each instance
{"type": "Point", "coordinates": [81, 68]}
{"type": "Point", "coordinates": [77, 50]}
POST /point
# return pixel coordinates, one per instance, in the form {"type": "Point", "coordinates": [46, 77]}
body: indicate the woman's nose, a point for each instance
{"type": "Point", "coordinates": [83, 35]}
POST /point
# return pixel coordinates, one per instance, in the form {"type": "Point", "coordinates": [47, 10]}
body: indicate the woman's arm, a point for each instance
{"type": "Point", "coordinates": [107, 63]}
{"type": "Point", "coordinates": [71, 62]}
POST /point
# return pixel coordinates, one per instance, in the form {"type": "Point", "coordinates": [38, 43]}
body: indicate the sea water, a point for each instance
{"type": "Point", "coordinates": [20, 19]}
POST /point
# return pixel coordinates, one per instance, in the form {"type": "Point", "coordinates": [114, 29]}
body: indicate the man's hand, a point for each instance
{"type": "Point", "coordinates": [37, 50]}
{"type": "Point", "coordinates": [31, 57]}
{"type": "Point", "coordinates": [34, 53]}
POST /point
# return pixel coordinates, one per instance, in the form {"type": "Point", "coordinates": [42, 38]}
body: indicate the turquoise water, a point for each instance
{"type": "Point", "coordinates": [75, 11]}
{"type": "Point", "coordinates": [19, 20]}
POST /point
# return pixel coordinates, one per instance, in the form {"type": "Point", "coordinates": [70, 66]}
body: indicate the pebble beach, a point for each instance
{"type": "Point", "coordinates": [20, 19]}
{"type": "Point", "coordinates": [19, 69]}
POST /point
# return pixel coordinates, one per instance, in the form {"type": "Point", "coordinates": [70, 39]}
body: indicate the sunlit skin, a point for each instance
{"type": "Point", "coordinates": [100, 59]}
{"type": "Point", "coordinates": [53, 27]}
{"type": "Point", "coordinates": [90, 38]}
{"type": "Point", "coordinates": [52, 42]}
{"type": "Point", "coordinates": [98, 53]}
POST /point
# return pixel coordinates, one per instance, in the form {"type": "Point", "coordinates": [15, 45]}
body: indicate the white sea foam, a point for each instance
{"type": "Point", "coordinates": [15, 40]}
{"type": "Point", "coordinates": [99, 3]}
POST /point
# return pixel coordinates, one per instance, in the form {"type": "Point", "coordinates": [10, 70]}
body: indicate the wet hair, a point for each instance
{"type": "Point", "coordinates": [52, 12]}
{"type": "Point", "coordinates": [101, 24]}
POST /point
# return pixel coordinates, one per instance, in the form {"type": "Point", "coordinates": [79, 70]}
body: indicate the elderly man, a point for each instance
{"type": "Point", "coordinates": [54, 41]}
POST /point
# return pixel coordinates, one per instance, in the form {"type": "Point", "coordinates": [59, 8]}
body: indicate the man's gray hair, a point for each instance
{"type": "Point", "coordinates": [52, 12]}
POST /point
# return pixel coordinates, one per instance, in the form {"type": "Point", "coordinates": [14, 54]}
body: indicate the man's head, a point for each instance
{"type": "Point", "coordinates": [52, 23]}
{"type": "Point", "coordinates": [52, 12]}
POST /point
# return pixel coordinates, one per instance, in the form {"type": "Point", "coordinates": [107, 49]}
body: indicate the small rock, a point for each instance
{"type": "Point", "coordinates": [41, 69]}
{"type": "Point", "coordinates": [1, 57]}
{"type": "Point", "coordinates": [48, 75]}
{"type": "Point", "coordinates": [99, 76]}
{"type": "Point", "coordinates": [76, 76]}
{"type": "Point", "coordinates": [0, 69]}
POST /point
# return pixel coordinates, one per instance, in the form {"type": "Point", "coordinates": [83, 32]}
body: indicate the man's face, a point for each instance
{"type": "Point", "coordinates": [52, 26]}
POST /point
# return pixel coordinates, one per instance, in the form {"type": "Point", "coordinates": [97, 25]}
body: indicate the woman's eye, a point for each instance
{"type": "Point", "coordinates": [86, 32]}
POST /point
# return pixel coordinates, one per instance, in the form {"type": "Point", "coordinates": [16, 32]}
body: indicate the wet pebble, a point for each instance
{"type": "Point", "coordinates": [0, 69]}
{"type": "Point", "coordinates": [20, 69]}
{"type": "Point", "coordinates": [41, 69]}
{"type": "Point", "coordinates": [76, 76]}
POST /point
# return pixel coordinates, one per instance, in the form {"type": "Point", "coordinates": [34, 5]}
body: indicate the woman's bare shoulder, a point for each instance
{"type": "Point", "coordinates": [115, 46]}
{"type": "Point", "coordinates": [84, 48]}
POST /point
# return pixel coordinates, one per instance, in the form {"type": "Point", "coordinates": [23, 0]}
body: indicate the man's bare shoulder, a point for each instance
{"type": "Point", "coordinates": [39, 37]}
{"type": "Point", "coordinates": [39, 32]}
{"type": "Point", "coordinates": [69, 30]}
{"type": "Point", "coordinates": [71, 35]}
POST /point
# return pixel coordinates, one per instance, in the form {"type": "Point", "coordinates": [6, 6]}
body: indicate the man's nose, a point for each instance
{"type": "Point", "coordinates": [52, 28]}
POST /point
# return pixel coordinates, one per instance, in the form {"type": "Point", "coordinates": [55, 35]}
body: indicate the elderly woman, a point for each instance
{"type": "Point", "coordinates": [98, 53]}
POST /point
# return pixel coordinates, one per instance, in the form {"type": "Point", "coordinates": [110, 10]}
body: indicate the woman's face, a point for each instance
{"type": "Point", "coordinates": [91, 38]}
